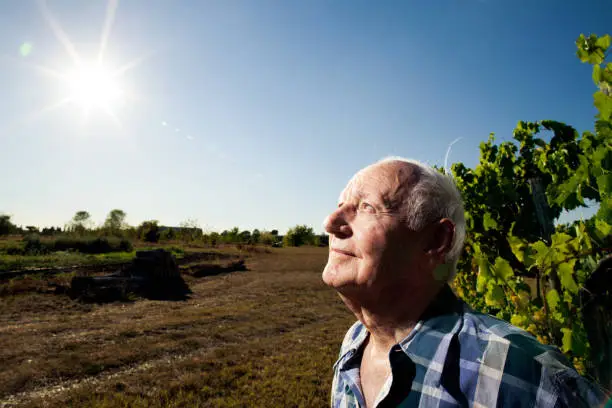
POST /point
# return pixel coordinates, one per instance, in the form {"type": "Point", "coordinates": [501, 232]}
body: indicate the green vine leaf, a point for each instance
{"type": "Point", "coordinates": [495, 295]}
{"type": "Point", "coordinates": [488, 222]}
{"type": "Point", "coordinates": [503, 269]}
{"type": "Point", "coordinates": [565, 273]}
{"type": "Point", "coordinates": [602, 229]}
{"type": "Point", "coordinates": [567, 339]}
{"type": "Point", "coordinates": [484, 275]}
{"type": "Point", "coordinates": [553, 300]}
{"type": "Point", "coordinates": [604, 183]}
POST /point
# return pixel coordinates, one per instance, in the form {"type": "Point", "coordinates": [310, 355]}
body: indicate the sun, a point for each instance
{"type": "Point", "coordinates": [94, 86]}
{"type": "Point", "coordinates": [89, 82]}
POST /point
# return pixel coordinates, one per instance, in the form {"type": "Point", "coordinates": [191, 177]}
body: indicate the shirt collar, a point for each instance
{"type": "Point", "coordinates": [442, 319]}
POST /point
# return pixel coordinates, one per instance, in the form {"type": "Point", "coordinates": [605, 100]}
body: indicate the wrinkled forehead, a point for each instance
{"type": "Point", "coordinates": [389, 181]}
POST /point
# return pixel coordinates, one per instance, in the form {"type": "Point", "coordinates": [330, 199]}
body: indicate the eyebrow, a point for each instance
{"type": "Point", "coordinates": [360, 195]}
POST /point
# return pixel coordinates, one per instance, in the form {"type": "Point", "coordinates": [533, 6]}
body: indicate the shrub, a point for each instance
{"type": "Point", "coordinates": [149, 231]}
{"type": "Point", "coordinates": [89, 245]}
{"type": "Point", "coordinates": [34, 246]}
{"type": "Point", "coordinates": [299, 235]}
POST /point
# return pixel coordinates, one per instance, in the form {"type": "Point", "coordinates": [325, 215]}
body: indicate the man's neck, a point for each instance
{"type": "Point", "coordinates": [391, 316]}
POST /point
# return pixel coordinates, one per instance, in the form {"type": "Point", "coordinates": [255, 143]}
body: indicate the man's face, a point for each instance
{"type": "Point", "coordinates": [370, 246]}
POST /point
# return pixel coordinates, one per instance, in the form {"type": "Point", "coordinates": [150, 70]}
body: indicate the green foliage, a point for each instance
{"type": "Point", "coordinates": [298, 236]}
{"type": "Point", "coordinates": [511, 199]}
{"type": "Point", "coordinates": [255, 236]}
{"type": "Point", "coordinates": [148, 231]}
{"type": "Point", "coordinates": [80, 223]}
{"type": "Point", "coordinates": [33, 245]}
{"type": "Point", "coordinates": [115, 222]}
{"type": "Point", "coordinates": [6, 226]}
{"type": "Point", "coordinates": [268, 238]}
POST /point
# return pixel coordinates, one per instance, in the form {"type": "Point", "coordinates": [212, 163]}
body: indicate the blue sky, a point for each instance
{"type": "Point", "coordinates": [256, 113]}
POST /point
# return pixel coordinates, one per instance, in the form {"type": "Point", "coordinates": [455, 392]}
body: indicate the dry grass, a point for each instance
{"type": "Point", "coordinates": [264, 337]}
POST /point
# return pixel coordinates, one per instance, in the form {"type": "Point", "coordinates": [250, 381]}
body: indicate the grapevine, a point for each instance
{"type": "Point", "coordinates": [514, 265]}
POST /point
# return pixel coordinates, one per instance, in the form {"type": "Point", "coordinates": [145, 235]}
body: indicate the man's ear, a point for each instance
{"type": "Point", "coordinates": [439, 239]}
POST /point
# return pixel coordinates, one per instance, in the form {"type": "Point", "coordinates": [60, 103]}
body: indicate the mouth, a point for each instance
{"type": "Point", "coordinates": [343, 252]}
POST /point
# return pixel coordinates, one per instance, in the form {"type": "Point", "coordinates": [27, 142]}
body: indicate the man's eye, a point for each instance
{"type": "Point", "coordinates": [366, 206]}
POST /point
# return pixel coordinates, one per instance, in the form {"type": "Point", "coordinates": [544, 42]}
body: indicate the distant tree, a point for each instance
{"type": "Point", "coordinates": [47, 231]}
{"type": "Point", "coordinates": [274, 232]}
{"type": "Point", "coordinates": [149, 231]}
{"type": "Point", "coordinates": [115, 222]}
{"type": "Point", "coordinates": [244, 237]}
{"type": "Point", "coordinates": [234, 235]}
{"type": "Point", "coordinates": [321, 240]}
{"type": "Point", "coordinates": [214, 238]}
{"type": "Point", "coordinates": [190, 230]}
{"type": "Point", "coordinates": [299, 235]}
{"type": "Point", "coordinates": [6, 226]}
{"type": "Point", "coordinates": [168, 234]}
{"type": "Point", "coordinates": [32, 229]}
{"type": "Point", "coordinates": [255, 235]}
{"type": "Point", "coordinates": [80, 222]}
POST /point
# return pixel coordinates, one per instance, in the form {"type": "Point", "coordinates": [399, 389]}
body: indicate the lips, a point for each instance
{"type": "Point", "coordinates": [343, 252]}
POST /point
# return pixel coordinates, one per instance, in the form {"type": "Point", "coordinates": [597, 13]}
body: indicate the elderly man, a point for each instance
{"type": "Point", "coordinates": [395, 238]}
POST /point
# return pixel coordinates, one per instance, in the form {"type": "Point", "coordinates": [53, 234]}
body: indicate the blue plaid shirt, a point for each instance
{"type": "Point", "coordinates": [456, 357]}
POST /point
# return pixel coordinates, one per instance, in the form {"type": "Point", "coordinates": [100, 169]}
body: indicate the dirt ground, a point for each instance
{"type": "Point", "coordinates": [267, 336]}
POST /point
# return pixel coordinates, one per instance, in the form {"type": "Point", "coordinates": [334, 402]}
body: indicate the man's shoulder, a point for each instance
{"type": "Point", "coordinates": [518, 347]}
{"type": "Point", "coordinates": [521, 363]}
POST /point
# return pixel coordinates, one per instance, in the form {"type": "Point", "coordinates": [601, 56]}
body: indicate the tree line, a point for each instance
{"type": "Point", "coordinates": [188, 231]}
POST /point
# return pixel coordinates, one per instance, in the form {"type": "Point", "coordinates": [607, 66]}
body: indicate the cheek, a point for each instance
{"type": "Point", "coordinates": [371, 240]}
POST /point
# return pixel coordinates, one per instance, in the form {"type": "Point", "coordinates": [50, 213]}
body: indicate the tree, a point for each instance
{"type": "Point", "coordinates": [115, 222]}
{"type": "Point", "coordinates": [80, 222]}
{"type": "Point", "coordinates": [321, 240]}
{"type": "Point", "coordinates": [267, 238]}
{"type": "Point", "coordinates": [214, 238]}
{"type": "Point", "coordinates": [168, 234]}
{"type": "Point", "coordinates": [245, 237]}
{"type": "Point", "coordinates": [255, 235]}
{"type": "Point", "coordinates": [299, 235]}
{"type": "Point", "coordinates": [190, 230]}
{"type": "Point", "coordinates": [6, 226]}
{"type": "Point", "coordinates": [149, 231]}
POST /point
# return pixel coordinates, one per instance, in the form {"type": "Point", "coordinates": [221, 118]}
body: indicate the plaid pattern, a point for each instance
{"type": "Point", "coordinates": [456, 357]}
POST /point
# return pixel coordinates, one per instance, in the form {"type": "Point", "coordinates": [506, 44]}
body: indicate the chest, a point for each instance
{"type": "Point", "coordinates": [373, 373]}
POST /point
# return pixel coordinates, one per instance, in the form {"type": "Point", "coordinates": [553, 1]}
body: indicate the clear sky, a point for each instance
{"type": "Point", "coordinates": [256, 113]}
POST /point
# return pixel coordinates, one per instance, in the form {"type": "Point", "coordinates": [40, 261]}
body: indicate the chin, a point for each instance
{"type": "Point", "coordinates": [343, 281]}
{"type": "Point", "coordinates": [334, 277]}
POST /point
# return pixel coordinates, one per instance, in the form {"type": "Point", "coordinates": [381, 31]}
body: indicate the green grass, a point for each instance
{"type": "Point", "coordinates": [70, 258]}
{"type": "Point", "coordinates": [60, 259]}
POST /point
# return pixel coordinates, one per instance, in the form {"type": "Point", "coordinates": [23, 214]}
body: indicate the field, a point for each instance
{"type": "Point", "coordinates": [264, 337]}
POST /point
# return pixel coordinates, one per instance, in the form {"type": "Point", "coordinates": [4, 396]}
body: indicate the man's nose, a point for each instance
{"type": "Point", "coordinates": [336, 223]}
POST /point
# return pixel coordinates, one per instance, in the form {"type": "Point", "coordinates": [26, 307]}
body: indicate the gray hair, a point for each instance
{"type": "Point", "coordinates": [435, 196]}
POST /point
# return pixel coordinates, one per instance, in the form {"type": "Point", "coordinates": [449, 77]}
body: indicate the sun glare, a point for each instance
{"type": "Point", "coordinates": [93, 86]}
{"type": "Point", "coordinates": [89, 84]}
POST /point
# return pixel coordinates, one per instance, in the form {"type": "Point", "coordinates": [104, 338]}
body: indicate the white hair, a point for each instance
{"type": "Point", "coordinates": [435, 196]}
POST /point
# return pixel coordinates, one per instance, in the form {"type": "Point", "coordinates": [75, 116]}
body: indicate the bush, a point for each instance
{"type": "Point", "coordinates": [149, 231]}
{"type": "Point", "coordinates": [87, 245]}
{"type": "Point", "coordinates": [34, 246]}
{"type": "Point", "coordinates": [299, 235]}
